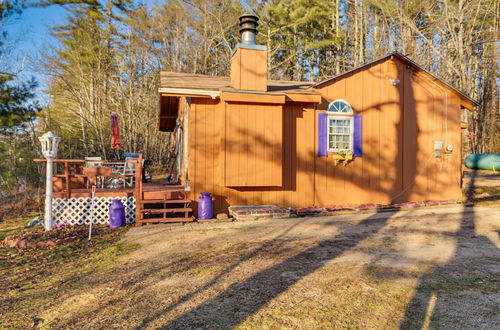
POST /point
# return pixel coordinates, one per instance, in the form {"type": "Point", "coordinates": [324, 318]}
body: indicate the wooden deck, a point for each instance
{"type": "Point", "coordinates": [155, 188]}
{"type": "Point", "coordinates": [155, 202]}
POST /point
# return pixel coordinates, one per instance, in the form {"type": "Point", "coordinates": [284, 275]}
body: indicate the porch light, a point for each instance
{"type": "Point", "coordinates": [49, 142]}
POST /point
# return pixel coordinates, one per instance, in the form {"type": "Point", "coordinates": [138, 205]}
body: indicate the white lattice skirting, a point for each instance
{"type": "Point", "coordinates": [77, 210]}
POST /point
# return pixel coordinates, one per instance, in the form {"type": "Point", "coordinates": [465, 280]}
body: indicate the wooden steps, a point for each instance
{"type": "Point", "coordinates": [160, 207]}
{"type": "Point", "coordinates": [167, 220]}
{"type": "Point", "coordinates": [187, 209]}
{"type": "Point", "coordinates": [166, 201]}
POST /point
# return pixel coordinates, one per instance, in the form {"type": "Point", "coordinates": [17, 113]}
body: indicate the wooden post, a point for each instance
{"type": "Point", "coordinates": [48, 194]}
{"type": "Point", "coordinates": [66, 175]}
{"type": "Point", "coordinates": [138, 189]}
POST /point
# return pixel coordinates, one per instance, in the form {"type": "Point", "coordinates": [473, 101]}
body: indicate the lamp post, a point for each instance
{"type": "Point", "coordinates": [49, 142]}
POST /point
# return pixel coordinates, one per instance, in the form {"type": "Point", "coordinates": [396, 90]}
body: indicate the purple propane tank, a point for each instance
{"type": "Point", "coordinates": [205, 207]}
{"type": "Point", "coordinates": [116, 214]}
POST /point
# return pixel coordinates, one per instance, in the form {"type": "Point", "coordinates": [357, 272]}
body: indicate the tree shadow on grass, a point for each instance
{"type": "Point", "coordinates": [268, 244]}
{"type": "Point", "coordinates": [452, 294]}
{"type": "Point", "coordinates": [240, 300]}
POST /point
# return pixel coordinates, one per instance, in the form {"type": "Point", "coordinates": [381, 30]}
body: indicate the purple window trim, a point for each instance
{"type": "Point", "coordinates": [358, 136]}
{"type": "Point", "coordinates": [322, 135]}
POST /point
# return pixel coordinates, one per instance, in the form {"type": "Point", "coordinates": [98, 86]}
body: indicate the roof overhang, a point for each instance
{"type": "Point", "coordinates": [253, 97]}
{"type": "Point", "coordinates": [303, 97]}
{"type": "Point", "coordinates": [189, 92]}
{"type": "Point", "coordinates": [278, 98]}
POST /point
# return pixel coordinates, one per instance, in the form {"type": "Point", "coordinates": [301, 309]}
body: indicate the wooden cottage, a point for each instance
{"type": "Point", "coordinates": [385, 132]}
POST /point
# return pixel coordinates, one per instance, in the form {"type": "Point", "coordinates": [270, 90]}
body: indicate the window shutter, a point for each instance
{"type": "Point", "coordinates": [322, 135]}
{"type": "Point", "coordinates": [358, 136]}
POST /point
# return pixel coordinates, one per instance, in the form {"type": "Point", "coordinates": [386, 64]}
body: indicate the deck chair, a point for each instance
{"type": "Point", "coordinates": [92, 162]}
{"type": "Point", "coordinates": [129, 169]}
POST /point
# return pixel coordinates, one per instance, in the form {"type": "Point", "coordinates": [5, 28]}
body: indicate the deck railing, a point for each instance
{"type": "Point", "coordinates": [76, 175]}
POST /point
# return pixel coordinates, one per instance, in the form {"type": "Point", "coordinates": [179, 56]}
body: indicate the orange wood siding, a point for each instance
{"type": "Point", "coordinates": [249, 69]}
{"type": "Point", "coordinates": [230, 141]}
{"type": "Point", "coordinates": [400, 124]}
{"type": "Point", "coordinates": [253, 145]}
{"type": "Point", "coordinates": [206, 152]}
{"type": "Point", "coordinates": [252, 98]}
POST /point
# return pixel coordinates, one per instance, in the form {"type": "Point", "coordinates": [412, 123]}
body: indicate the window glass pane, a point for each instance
{"type": "Point", "coordinates": [340, 106]}
{"type": "Point", "coordinates": [339, 130]}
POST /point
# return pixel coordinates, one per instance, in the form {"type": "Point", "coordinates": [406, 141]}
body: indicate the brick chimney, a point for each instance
{"type": "Point", "coordinates": [249, 61]}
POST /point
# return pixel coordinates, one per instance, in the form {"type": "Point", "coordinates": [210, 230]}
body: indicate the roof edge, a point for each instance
{"type": "Point", "coordinates": [468, 100]}
{"type": "Point", "coordinates": [186, 91]}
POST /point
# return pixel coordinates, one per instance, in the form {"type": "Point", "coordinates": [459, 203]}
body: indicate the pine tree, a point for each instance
{"type": "Point", "coordinates": [17, 104]}
{"type": "Point", "coordinates": [18, 108]}
{"type": "Point", "coordinates": [82, 70]}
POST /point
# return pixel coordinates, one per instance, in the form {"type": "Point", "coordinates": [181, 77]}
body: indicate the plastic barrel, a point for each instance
{"type": "Point", "coordinates": [116, 214]}
{"type": "Point", "coordinates": [483, 161]}
{"type": "Point", "coordinates": [205, 207]}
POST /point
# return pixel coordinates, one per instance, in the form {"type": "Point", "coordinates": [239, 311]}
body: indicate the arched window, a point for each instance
{"type": "Point", "coordinates": [340, 106]}
{"type": "Point", "coordinates": [340, 126]}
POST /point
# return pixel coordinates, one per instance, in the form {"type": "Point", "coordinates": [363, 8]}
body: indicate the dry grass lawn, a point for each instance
{"type": "Point", "coordinates": [436, 268]}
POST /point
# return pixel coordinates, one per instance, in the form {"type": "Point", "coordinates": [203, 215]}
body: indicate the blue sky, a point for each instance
{"type": "Point", "coordinates": [32, 26]}
{"type": "Point", "coordinates": [29, 35]}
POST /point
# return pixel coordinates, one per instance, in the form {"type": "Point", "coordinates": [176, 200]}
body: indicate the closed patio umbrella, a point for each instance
{"type": "Point", "coordinates": [115, 131]}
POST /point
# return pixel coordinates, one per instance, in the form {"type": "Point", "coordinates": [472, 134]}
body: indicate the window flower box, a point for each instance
{"type": "Point", "coordinates": [341, 157]}
{"type": "Point", "coordinates": [345, 156]}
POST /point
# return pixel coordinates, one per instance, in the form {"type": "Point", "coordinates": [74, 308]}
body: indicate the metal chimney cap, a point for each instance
{"type": "Point", "coordinates": [252, 16]}
{"type": "Point", "coordinates": [248, 22]}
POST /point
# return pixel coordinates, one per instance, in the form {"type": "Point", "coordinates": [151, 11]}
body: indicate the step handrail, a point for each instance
{"type": "Point", "coordinates": [138, 193]}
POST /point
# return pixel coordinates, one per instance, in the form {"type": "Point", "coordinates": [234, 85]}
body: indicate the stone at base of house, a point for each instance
{"type": "Point", "coordinates": [254, 212]}
{"type": "Point", "coordinates": [308, 211]}
{"type": "Point", "coordinates": [222, 216]}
